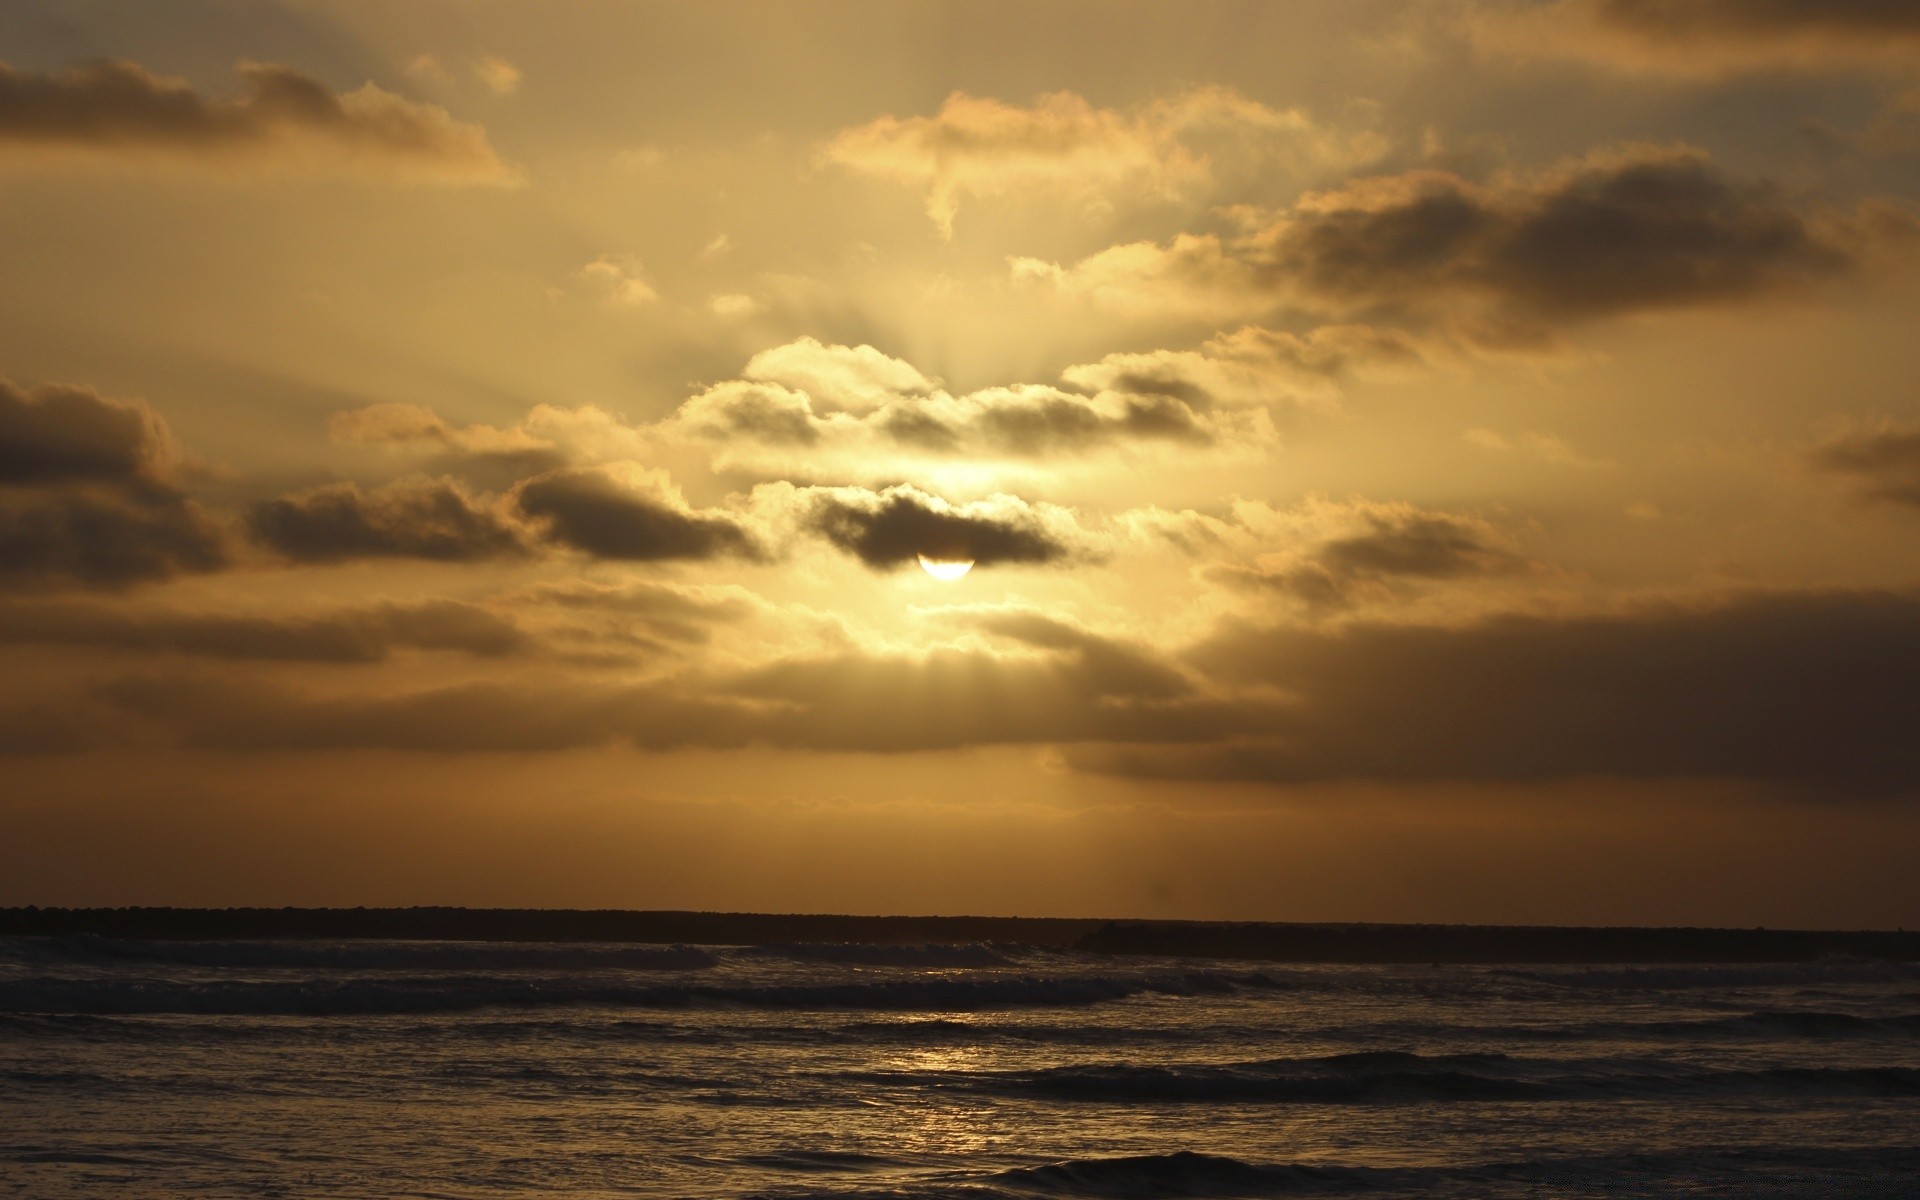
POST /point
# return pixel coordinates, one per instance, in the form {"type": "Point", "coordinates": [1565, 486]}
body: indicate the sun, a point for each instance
{"type": "Point", "coordinates": [948, 569]}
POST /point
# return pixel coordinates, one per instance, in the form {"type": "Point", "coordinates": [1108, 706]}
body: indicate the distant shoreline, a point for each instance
{"type": "Point", "coordinates": [1265, 941]}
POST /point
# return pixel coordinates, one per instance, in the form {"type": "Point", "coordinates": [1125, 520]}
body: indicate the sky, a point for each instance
{"type": "Point", "coordinates": [1418, 460]}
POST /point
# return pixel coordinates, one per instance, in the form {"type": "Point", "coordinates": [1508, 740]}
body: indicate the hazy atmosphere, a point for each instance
{"type": "Point", "coordinates": [1345, 460]}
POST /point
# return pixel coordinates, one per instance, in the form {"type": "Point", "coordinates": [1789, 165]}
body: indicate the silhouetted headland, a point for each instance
{"type": "Point", "coordinates": [1251, 940]}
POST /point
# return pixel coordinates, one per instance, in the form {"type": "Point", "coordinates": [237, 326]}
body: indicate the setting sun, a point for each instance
{"type": "Point", "coordinates": [946, 569]}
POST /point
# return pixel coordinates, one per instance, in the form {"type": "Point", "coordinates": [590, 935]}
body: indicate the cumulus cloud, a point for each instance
{"type": "Point", "coordinates": [896, 526]}
{"type": "Point", "coordinates": [839, 378]}
{"type": "Point", "coordinates": [1808, 690]}
{"type": "Point", "coordinates": [1707, 37]}
{"type": "Point", "coordinates": [282, 118]}
{"type": "Point", "coordinates": [88, 493]}
{"type": "Point", "coordinates": [837, 403]}
{"type": "Point", "coordinates": [1621, 231]}
{"type": "Point", "coordinates": [632, 515]}
{"type": "Point", "coordinates": [357, 635]}
{"type": "Point", "coordinates": [976, 146]}
{"type": "Point", "coordinates": [431, 519]}
{"type": "Point", "coordinates": [1883, 461]}
{"type": "Point", "coordinates": [60, 434]}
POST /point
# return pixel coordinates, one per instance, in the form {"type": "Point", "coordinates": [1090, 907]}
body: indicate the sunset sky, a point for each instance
{"type": "Point", "coordinates": [1420, 461]}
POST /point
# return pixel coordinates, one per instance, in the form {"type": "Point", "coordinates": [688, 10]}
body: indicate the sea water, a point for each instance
{"type": "Point", "coordinates": [452, 1069]}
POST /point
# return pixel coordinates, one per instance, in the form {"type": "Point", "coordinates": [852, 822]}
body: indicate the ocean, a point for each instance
{"type": "Point", "coordinates": [313, 1068]}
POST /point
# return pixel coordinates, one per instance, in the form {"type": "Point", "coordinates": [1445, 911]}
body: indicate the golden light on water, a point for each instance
{"type": "Point", "coordinates": [945, 569]}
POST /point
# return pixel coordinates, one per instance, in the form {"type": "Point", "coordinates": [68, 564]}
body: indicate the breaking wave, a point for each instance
{"type": "Point", "coordinates": [1399, 1077]}
{"type": "Point", "coordinates": [402, 994]}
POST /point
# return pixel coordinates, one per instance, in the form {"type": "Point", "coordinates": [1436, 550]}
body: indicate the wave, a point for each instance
{"type": "Point", "coordinates": [1187, 1173]}
{"type": "Point", "coordinates": [1716, 975]}
{"type": "Point", "coordinates": [1775, 1024]}
{"type": "Point", "coordinates": [367, 955]}
{"type": "Point", "coordinates": [1399, 1077]}
{"type": "Point", "coordinates": [344, 997]}
{"type": "Point", "coordinates": [1781, 1171]}
{"type": "Point", "coordinates": [930, 956]}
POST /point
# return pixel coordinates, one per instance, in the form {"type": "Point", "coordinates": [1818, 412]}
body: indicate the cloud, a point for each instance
{"type": "Point", "coordinates": [896, 526]}
{"type": "Point", "coordinates": [432, 519]}
{"type": "Point", "coordinates": [486, 451]}
{"type": "Point", "coordinates": [60, 434]}
{"type": "Point", "coordinates": [855, 405]}
{"type": "Point", "coordinates": [88, 493]}
{"type": "Point", "coordinates": [1110, 667]}
{"type": "Point", "coordinates": [1883, 461]}
{"type": "Point", "coordinates": [977, 146]}
{"type": "Point", "coordinates": [665, 612]}
{"type": "Point", "coordinates": [1252, 366]}
{"type": "Point", "coordinates": [1707, 38]}
{"type": "Point", "coordinates": [1194, 277]}
{"type": "Point", "coordinates": [838, 378]}
{"type": "Point", "coordinates": [282, 118]}
{"type": "Point", "coordinates": [1629, 230]}
{"type": "Point", "coordinates": [619, 280]}
{"type": "Point", "coordinates": [104, 540]}
{"type": "Point", "coordinates": [501, 77]}
{"type": "Point", "coordinates": [1059, 685]}
{"type": "Point", "coordinates": [359, 635]}
{"type": "Point", "coordinates": [637, 517]}
{"type": "Point", "coordinates": [1808, 690]}
{"type": "Point", "coordinates": [1332, 556]}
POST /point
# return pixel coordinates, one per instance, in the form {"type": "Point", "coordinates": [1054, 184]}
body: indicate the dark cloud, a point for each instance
{"type": "Point", "coordinates": [1087, 691]}
{"type": "Point", "coordinates": [1108, 667]}
{"type": "Point", "coordinates": [59, 435]}
{"type": "Point", "coordinates": [668, 613]}
{"type": "Point", "coordinates": [1038, 422]}
{"type": "Point", "coordinates": [349, 636]}
{"type": "Point", "coordinates": [104, 539]}
{"type": "Point", "coordinates": [1862, 18]}
{"type": "Point", "coordinates": [1812, 691]}
{"type": "Point", "coordinates": [1375, 551]}
{"type": "Point", "coordinates": [1505, 262]}
{"type": "Point", "coordinates": [890, 528]}
{"type": "Point", "coordinates": [1644, 230]}
{"type": "Point", "coordinates": [229, 713]}
{"type": "Point", "coordinates": [1420, 545]}
{"type": "Point", "coordinates": [1705, 38]}
{"type": "Point", "coordinates": [1883, 462]}
{"type": "Point", "coordinates": [486, 456]}
{"type": "Point", "coordinates": [434, 519]}
{"type": "Point", "coordinates": [86, 494]}
{"type": "Point", "coordinates": [1066, 686]}
{"type": "Point", "coordinates": [282, 116]}
{"type": "Point", "coordinates": [589, 511]}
